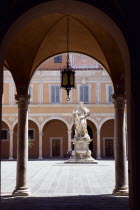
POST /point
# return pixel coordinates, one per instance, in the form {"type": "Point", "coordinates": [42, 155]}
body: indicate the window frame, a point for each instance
{"type": "Point", "coordinates": [50, 94]}
{"type": "Point", "coordinates": [107, 93]}
{"type": "Point", "coordinates": [89, 92]}
{"type": "Point", "coordinates": [59, 60]}
{"type": "Point", "coordinates": [30, 92]}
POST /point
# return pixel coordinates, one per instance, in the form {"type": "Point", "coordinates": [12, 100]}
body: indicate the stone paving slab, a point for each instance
{"type": "Point", "coordinates": [56, 185]}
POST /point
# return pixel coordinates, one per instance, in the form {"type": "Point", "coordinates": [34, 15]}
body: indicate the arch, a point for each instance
{"type": "Point", "coordinates": [55, 118]}
{"type": "Point", "coordinates": [36, 122]}
{"type": "Point", "coordinates": [107, 138]}
{"type": "Point", "coordinates": [7, 123]}
{"type": "Point", "coordinates": [50, 7]}
{"type": "Point", "coordinates": [106, 119]}
{"type": "Point", "coordinates": [29, 118]}
{"type": "Point", "coordinates": [98, 25]}
{"type": "Point", "coordinates": [94, 122]}
{"type": "Point", "coordinates": [13, 125]}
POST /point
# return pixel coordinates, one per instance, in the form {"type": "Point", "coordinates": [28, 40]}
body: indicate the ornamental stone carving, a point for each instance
{"type": "Point", "coordinates": [79, 118]}
{"type": "Point", "coordinates": [81, 140]}
{"type": "Point", "coordinates": [22, 100]}
{"type": "Point", "coordinates": [11, 119]}
{"type": "Point", "coordinates": [119, 100]}
{"type": "Point", "coordinates": [40, 119]}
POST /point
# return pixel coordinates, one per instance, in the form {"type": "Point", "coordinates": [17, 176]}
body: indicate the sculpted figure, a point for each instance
{"type": "Point", "coordinates": [79, 116]}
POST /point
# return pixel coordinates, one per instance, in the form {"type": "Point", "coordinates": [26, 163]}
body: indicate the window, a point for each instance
{"type": "Point", "coordinates": [58, 59]}
{"type": "Point", "coordinates": [30, 92]}
{"type": "Point", "coordinates": [109, 93]}
{"type": "Point", "coordinates": [84, 93]}
{"type": "Point", "coordinates": [4, 134]}
{"type": "Point", "coordinates": [55, 94]}
{"type": "Point", "coordinates": [31, 134]}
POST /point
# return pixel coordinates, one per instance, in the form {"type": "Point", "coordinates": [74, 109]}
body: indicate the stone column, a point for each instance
{"type": "Point", "coordinates": [98, 145]}
{"type": "Point", "coordinates": [69, 140]}
{"type": "Point", "coordinates": [40, 145]}
{"type": "Point", "coordinates": [22, 147]}
{"type": "Point", "coordinates": [11, 145]}
{"type": "Point", "coordinates": [121, 187]}
{"type": "Point", "coordinates": [1, 92]}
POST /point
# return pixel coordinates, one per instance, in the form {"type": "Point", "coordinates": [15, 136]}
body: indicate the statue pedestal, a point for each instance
{"type": "Point", "coordinates": [81, 152]}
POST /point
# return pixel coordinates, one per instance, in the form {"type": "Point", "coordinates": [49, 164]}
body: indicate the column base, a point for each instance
{"type": "Point", "coordinates": [40, 158]}
{"type": "Point", "coordinates": [123, 191]}
{"type": "Point", "coordinates": [21, 192]}
{"type": "Point", "coordinates": [11, 158]}
{"type": "Point", "coordinates": [98, 158]}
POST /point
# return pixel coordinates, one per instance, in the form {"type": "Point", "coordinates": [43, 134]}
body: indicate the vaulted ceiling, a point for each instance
{"type": "Point", "coordinates": [41, 32]}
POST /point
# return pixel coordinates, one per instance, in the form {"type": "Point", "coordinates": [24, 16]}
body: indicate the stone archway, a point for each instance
{"type": "Point", "coordinates": [105, 42]}
{"type": "Point", "coordinates": [55, 139]}
{"type": "Point", "coordinates": [107, 139]}
{"type": "Point", "coordinates": [90, 23]}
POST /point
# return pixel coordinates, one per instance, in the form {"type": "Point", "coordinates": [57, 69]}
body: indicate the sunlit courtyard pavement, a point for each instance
{"type": "Point", "coordinates": [57, 185]}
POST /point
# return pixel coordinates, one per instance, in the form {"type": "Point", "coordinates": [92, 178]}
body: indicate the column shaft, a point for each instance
{"type": "Point", "coordinates": [98, 145]}
{"type": "Point", "coordinates": [11, 146]}
{"type": "Point", "coordinates": [22, 147]}
{"type": "Point", "coordinates": [40, 145]}
{"type": "Point", "coordinates": [69, 140]}
{"type": "Point", "coordinates": [121, 187]}
{"type": "Point", "coordinates": [1, 92]}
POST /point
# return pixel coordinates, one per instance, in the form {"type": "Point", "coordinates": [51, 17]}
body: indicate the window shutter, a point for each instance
{"type": "Point", "coordinates": [53, 94]}
{"type": "Point", "coordinates": [30, 90]}
{"type": "Point", "coordinates": [81, 93]}
{"type": "Point", "coordinates": [86, 94]}
{"type": "Point", "coordinates": [57, 91]}
{"type": "Point", "coordinates": [110, 92]}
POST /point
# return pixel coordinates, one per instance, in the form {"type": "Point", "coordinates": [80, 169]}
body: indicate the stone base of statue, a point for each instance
{"type": "Point", "coordinates": [81, 152]}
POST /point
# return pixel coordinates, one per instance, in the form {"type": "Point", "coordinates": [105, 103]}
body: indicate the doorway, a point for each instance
{"type": "Point", "coordinates": [109, 147]}
{"type": "Point", "coordinates": [56, 147]}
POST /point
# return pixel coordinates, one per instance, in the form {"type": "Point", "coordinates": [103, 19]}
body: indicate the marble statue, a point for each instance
{"type": "Point", "coordinates": [81, 140]}
{"type": "Point", "coordinates": [79, 116]}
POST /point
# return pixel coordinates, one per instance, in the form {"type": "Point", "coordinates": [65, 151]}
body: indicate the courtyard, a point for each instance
{"type": "Point", "coordinates": [57, 185]}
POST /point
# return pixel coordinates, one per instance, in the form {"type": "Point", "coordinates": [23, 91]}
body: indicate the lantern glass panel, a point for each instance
{"type": "Point", "coordinates": [64, 78]}
{"type": "Point", "coordinates": [72, 79]}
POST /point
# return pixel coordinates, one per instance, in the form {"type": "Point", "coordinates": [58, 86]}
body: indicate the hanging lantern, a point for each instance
{"type": "Point", "coordinates": [68, 79]}
{"type": "Point", "coordinates": [67, 73]}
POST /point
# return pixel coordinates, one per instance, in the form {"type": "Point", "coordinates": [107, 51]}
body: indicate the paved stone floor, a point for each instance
{"type": "Point", "coordinates": [56, 185]}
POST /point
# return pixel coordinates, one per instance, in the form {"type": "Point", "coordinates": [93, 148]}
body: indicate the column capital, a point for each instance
{"type": "Point", "coordinates": [22, 100]}
{"type": "Point", "coordinates": [11, 132]}
{"type": "Point", "coordinates": [119, 100]}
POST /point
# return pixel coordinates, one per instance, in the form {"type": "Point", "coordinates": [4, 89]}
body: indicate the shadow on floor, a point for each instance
{"type": "Point", "coordinates": [81, 202]}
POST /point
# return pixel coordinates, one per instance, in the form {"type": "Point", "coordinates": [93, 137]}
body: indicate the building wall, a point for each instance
{"type": "Point", "coordinates": [107, 131]}
{"type": "Point", "coordinates": [34, 144]}
{"type": "Point", "coordinates": [41, 108]}
{"type": "Point", "coordinates": [5, 143]}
